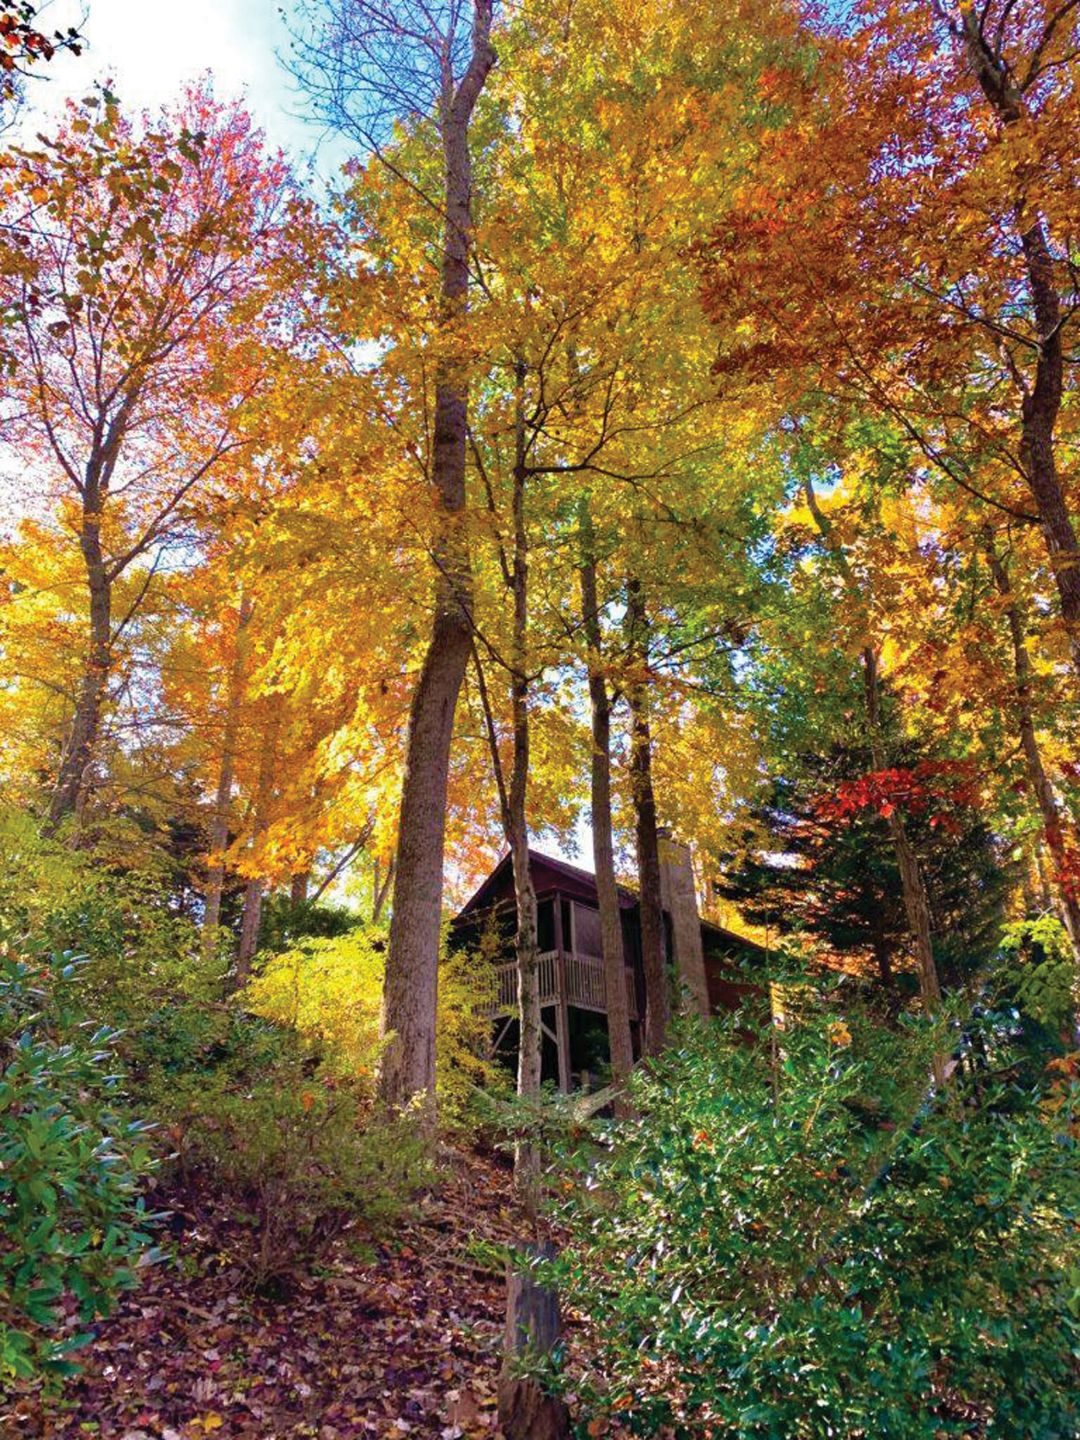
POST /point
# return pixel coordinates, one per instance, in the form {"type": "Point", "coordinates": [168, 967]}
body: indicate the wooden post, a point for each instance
{"type": "Point", "coordinates": [562, 1014]}
{"type": "Point", "coordinates": [533, 1326]}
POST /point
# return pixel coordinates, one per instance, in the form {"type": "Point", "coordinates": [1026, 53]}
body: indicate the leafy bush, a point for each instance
{"type": "Point", "coordinates": [287, 922]}
{"type": "Point", "coordinates": [330, 991]}
{"type": "Point", "coordinates": [113, 902]}
{"type": "Point", "coordinates": [188, 1038]}
{"type": "Point", "coordinates": [1043, 970]}
{"type": "Point", "coordinates": [780, 1245]}
{"type": "Point", "coordinates": [72, 1223]}
{"type": "Point", "coordinates": [294, 1156]}
{"type": "Point", "coordinates": [270, 1130]}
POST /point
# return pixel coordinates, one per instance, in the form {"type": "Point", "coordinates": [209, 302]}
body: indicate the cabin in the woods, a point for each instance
{"type": "Point", "coordinates": [708, 960]}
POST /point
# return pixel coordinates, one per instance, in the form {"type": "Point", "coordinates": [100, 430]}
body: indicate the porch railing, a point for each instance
{"type": "Point", "coordinates": [584, 984]}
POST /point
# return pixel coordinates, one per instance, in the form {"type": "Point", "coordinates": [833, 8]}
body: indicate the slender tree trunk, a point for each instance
{"type": "Point", "coordinates": [912, 884]}
{"type": "Point", "coordinates": [250, 926]}
{"type": "Point", "coordinates": [657, 998]}
{"type": "Point", "coordinates": [254, 891]}
{"type": "Point", "coordinates": [381, 888]}
{"type": "Point", "coordinates": [512, 806]}
{"type": "Point", "coordinates": [73, 779]}
{"type": "Point", "coordinates": [1039, 412]}
{"type": "Point", "coordinates": [412, 966]}
{"type": "Point", "coordinates": [1046, 898]}
{"type": "Point", "coordinates": [529, 1033]}
{"type": "Point", "coordinates": [616, 999]}
{"type": "Point", "coordinates": [513, 798]}
{"type": "Point", "coordinates": [882, 957]}
{"type": "Point", "coordinates": [1041, 402]}
{"type": "Point", "coordinates": [513, 803]}
{"type": "Point", "coordinates": [219, 828]}
{"type": "Point", "coordinates": [1049, 810]}
{"type": "Point", "coordinates": [298, 888]}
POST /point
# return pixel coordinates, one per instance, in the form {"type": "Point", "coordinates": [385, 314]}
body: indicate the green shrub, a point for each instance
{"type": "Point", "coordinates": [113, 902]}
{"type": "Point", "coordinates": [1043, 971]}
{"type": "Point", "coordinates": [295, 1156]}
{"type": "Point", "coordinates": [72, 1223]}
{"type": "Point", "coordinates": [792, 1240]}
{"type": "Point", "coordinates": [330, 991]}
{"type": "Point", "coordinates": [189, 1038]}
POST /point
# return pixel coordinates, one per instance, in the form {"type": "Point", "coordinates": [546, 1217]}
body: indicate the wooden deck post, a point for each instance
{"type": "Point", "coordinates": [562, 1013]}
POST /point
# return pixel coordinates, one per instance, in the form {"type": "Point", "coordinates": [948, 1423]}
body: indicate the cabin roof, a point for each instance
{"type": "Point", "coordinates": [549, 873]}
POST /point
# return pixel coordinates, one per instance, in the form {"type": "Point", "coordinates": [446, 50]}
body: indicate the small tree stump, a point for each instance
{"type": "Point", "coordinates": [533, 1325]}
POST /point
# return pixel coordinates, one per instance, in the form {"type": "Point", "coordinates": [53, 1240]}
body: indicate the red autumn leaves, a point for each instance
{"type": "Point", "coordinates": [935, 787]}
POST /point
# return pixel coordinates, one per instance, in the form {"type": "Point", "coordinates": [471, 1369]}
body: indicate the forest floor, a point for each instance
{"type": "Point", "coordinates": [383, 1339]}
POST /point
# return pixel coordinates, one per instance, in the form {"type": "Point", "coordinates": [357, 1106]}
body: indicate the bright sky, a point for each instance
{"type": "Point", "coordinates": [151, 48]}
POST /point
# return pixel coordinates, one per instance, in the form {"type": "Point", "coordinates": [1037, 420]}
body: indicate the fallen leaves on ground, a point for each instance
{"type": "Point", "coordinates": [387, 1340]}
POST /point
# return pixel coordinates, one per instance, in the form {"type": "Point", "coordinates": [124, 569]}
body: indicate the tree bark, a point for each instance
{"type": "Point", "coordinates": [912, 884]}
{"type": "Point", "coordinates": [1041, 402]}
{"type": "Point", "coordinates": [73, 779]}
{"type": "Point", "coordinates": [219, 828]}
{"type": "Point", "coordinates": [254, 891]}
{"type": "Point", "coordinates": [411, 990]}
{"type": "Point", "coordinates": [533, 1329]}
{"type": "Point", "coordinates": [657, 997]}
{"type": "Point", "coordinates": [679, 895]}
{"type": "Point", "coordinates": [882, 957]}
{"type": "Point", "coordinates": [529, 1033]}
{"type": "Point", "coordinates": [1053, 823]}
{"type": "Point", "coordinates": [616, 999]}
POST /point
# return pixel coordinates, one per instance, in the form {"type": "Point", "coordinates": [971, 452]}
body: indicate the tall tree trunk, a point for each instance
{"type": "Point", "coordinates": [912, 884]}
{"type": "Point", "coordinates": [219, 828]}
{"type": "Point", "coordinates": [250, 926]}
{"type": "Point", "coordinates": [1041, 402]}
{"type": "Point", "coordinates": [657, 998]}
{"type": "Point", "coordinates": [254, 891]}
{"type": "Point", "coordinates": [412, 964]}
{"type": "Point", "coordinates": [882, 956]}
{"type": "Point", "coordinates": [1049, 810]}
{"type": "Point", "coordinates": [678, 895]}
{"type": "Point", "coordinates": [513, 797]}
{"type": "Point", "coordinates": [529, 1033]}
{"type": "Point", "coordinates": [380, 887]}
{"type": "Point", "coordinates": [615, 994]}
{"type": "Point", "coordinates": [513, 801]}
{"type": "Point", "coordinates": [298, 888]}
{"type": "Point", "coordinates": [73, 779]}
{"type": "Point", "coordinates": [533, 1331]}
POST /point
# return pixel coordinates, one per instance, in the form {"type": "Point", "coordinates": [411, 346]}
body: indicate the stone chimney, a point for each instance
{"type": "Point", "coordinates": [679, 898]}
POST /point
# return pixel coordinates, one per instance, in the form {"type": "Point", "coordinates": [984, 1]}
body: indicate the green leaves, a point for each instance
{"type": "Point", "coordinates": [1044, 970]}
{"type": "Point", "coordinates": [808, 1244]}
{"type": "Point", "coordinates": [71, 1220]}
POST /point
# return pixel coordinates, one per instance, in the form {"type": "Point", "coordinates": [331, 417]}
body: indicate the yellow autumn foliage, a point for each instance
{"type": "Point", "coordinates": [330, 992]}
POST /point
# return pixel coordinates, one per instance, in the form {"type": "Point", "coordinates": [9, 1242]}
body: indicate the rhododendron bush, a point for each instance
{"type": "Point", "coordinates": [798, 1237]}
